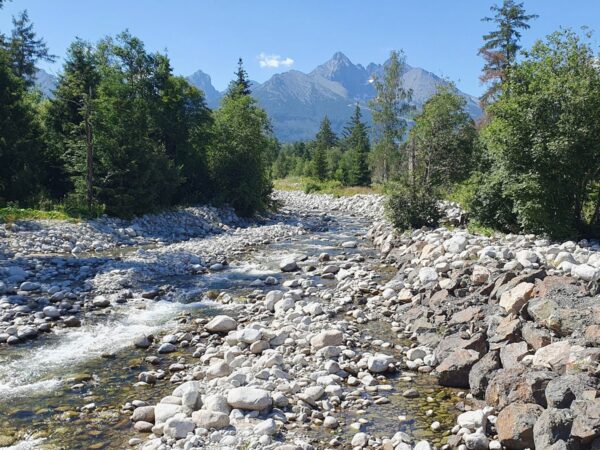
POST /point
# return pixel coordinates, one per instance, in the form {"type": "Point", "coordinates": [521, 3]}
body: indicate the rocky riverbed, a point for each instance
{"type": "Point", "coordinates": [317, 327]}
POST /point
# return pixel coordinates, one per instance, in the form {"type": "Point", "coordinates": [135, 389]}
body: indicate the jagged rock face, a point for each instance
{"type": "Point", "coordinates": [296, 101]}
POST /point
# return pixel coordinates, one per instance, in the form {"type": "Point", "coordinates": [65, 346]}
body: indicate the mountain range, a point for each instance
{"type": "Point", "coordinates": [297, 102]}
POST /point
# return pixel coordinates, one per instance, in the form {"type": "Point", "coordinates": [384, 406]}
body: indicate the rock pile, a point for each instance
{"type": "Point", "coordinates": [515, 319]}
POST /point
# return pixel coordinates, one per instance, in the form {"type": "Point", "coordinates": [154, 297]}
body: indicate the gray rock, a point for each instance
{"type": "Point", "coordinates": [288, 265]}
{"type": "Point", "coordinates": [552, 426]}
{"type": "Point", "coordinates": [167, 348]}
{"type": "Point", "coordinates": [454, 370]}
{"type": "Point", "coordinates": [481, 373]}
{"type": "Point", "coordinates": [249, 398]}
{"type": "Point", "coordinates": [563, 390]}
{"type": "Point", "coordinates": [210, 419]}
{"type": "Point", "coordinates": [178, 427]}
{"type": "Point", "coordinates": [586, 423]}
{"type": "Point", "coordinates": [164, 411]}
{"type": "Point", "coordinates": [143, 413]}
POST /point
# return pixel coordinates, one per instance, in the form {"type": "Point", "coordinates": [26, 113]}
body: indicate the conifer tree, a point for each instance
{"type": "Point", "coordinates": [240, 85]}
{"type": "Point", "coordinates": [502, 45]}
{"type": "Point", "coordinates": [26, 49]}
{"type": "Point", "coordinates": [358, 148]}
{"type": "Point", "coordinates": [325, 140]}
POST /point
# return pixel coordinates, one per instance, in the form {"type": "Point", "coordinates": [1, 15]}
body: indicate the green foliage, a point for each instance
{"type": "Point", "coordinates": [390, 108]}
{"type": "Point", "coordinates": [407, 208]}
{"type": "Point", "coordinates": [21, 150]}
{"type": "Point", "coordinates": [544, 139]}
{"type": "Point", "coordinates": [25, 49]}
{"type": "Point", "coordinates": [239, 154]}
{"type": "Point", "coordinates": [355, 164]}
{"type": "Point", "coordinates": [464, 192]}
{"type": "Point", "coordinates": [442, 141]}
{"type": "Point", "coordinates": [490, 206]}
{"type": "Point", "coordinates": [501, 45]}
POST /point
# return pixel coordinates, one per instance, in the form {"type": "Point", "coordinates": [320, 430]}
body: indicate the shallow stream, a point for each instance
{"type": "Point", "coordinates": [66, 390]}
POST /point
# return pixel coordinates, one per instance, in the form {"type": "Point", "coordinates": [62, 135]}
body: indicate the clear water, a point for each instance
{"type": "Point", "coordinates": [40, 408]}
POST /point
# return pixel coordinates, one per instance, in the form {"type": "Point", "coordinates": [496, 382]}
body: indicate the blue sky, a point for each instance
{"type": "Point", "coordinates": [439, 35]}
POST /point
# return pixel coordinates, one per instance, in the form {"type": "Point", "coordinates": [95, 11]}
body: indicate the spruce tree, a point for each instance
{"type": "Point", "coordinates": [240, 85]}
{"type": "Point", "coordinates": [325, 140]}
{"type": "Point", "coordinates": [502, 45]}
{"type": "Point", "coordinates": [26, 49]}
{"type": "Point", "coordinates": [358, 148]}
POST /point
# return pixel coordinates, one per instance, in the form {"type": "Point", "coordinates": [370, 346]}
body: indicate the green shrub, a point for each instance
{"type": "Point", "coordinates": [407, 210]}
{"type": "Point", "coordinates": [491, 207]}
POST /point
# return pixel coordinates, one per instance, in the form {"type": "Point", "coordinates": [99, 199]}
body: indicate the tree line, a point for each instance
{"type": "Point", "coordinates": [531, 163]}
{"type": "Point", "coordinates": [123, 134]}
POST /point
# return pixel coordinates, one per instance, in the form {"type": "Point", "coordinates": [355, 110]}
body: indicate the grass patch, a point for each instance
{"type": "Point", "coordinates": [12, 214]}
{"type": "Point", "coordinates": [475, 227]}
{"type": "Point", "coordinates": [335, 188]}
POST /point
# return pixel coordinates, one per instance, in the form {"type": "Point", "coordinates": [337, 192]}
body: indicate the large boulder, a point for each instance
{"type": "Point", "coordinates": [554, 356]}
{"type": "Point", "coordinates": [516, 298]}
{"type": "Point", "coordinates": [518, 386]}
{"type": "Point", "coordinates": [515, 425]}
{"type": "Point", "coordinates": [210, 419]}
{"type": "Point", "coordinates": [178, 427]}
{"type": "Point", "coordinates": [221, 324]}
{"type": "Point", "coordinates": [481, 373]}
{"type": "Point", "coordinates": [249, 398]}
{"type": "Point", "coordinates": [552, 426]}
{"type": "Point", "coordinates": [454, 370]}
{"type": "Point", "coordinates": [563, 390]}
{"type": "Point", "coordinates": [512, 354]}
{"type": "Point", "coordinates": [586, 420]}
{"type": "Point", "coordinates": [560, 305]}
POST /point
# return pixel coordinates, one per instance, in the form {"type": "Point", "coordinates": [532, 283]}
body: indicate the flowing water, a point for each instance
{"type": "Point", "coordinates": [48, 386]}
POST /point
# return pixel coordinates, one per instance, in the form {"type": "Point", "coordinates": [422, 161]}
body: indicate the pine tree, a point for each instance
{"type": "Point", "coordinates": [25, 49]}
{"type": "Point", "coordinates": [358, 148]}
{"type": "Point", "coordinates": [501, 46]}
{"type": "Point", "coordinates": [390, 108]}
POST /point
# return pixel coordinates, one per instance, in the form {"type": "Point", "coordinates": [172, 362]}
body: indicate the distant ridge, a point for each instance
{"type": "Point", "coordinates": [297, 101]}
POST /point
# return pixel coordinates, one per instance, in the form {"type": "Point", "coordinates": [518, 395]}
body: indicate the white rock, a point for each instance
{"type": "Point", "coordinates": [164, 411]}
{"type": "Point", "coordinates": [456, 244]}
{"type": "Point", "coordinates": [266, 427]}
{"type": "Point", "coordinates": [360, 440]}
{"type": "Point", "coordinates": [585, 272]}
{"type": "Point", "coordinates": [428, 275]}
{"type": "Point", "coordinates": [178, 427]}
{"type": "Point", "coordinates": [379, 363]}
{"type": "Point", "coordinates": [221, 324]}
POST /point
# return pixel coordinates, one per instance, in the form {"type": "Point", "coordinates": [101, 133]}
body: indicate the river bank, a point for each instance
{"type": "Point", "coordinates": [318, 327]}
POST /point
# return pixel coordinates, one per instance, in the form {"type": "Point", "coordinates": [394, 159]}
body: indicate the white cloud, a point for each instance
{"type": "Point", "coordinates": [273, 61]}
